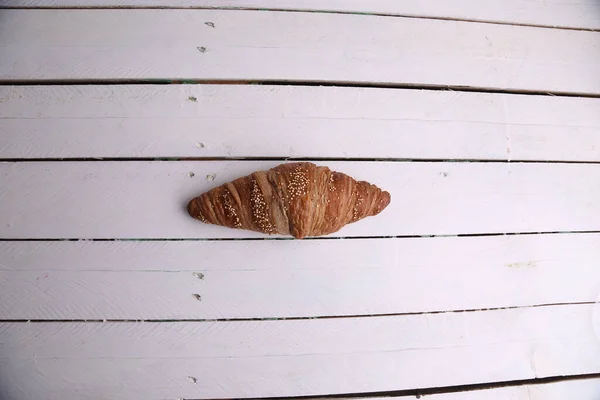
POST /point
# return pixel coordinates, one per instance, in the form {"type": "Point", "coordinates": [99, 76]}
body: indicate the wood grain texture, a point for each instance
{"type": "Point", "coordinates": [580, 14]}
{"type": "Point", "coordinates": [148, 199]}
{"type": "Point", "coordinates": [587, 389]}
{"type": "Point", "coordinates": [264, 279]}
{"type": "Point", "coordinates": [290, 358]}
{"type": "Point", "coordinates": [217, 121]}
{"type": "Point", "coordinates": [256, 45]}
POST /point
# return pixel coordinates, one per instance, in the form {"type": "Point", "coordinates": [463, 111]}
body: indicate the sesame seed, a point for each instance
{"type": "Point", "coordinates": [260, 210]}
{"type": "Point", "coordinates": [230, 210]}
{"type": "Point", "coordinates": [298, 183]}
{"type": "Point", "coordinates": [359, 201]}
{"type": "Point", "coordinates": [201, 216]}
{"type": "Point", "coordinates": [331, 184]}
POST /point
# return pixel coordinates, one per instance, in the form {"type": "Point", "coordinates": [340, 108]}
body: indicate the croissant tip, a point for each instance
{"type": "Point", "coordinates": [193, 208]}
{"type": "Point", "coordinates": [386, 199]}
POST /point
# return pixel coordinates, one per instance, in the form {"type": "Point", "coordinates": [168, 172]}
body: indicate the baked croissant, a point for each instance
{"type": "Point", "coordinates": [298, 199]}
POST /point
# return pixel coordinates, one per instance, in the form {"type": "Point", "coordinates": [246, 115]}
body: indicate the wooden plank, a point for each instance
{"type": "Point", "coordinates": [93, 280]}
{"type": "Point", "coordinates": [294, 357]}
{"type": "Point", "coordinates": [141, 199]}
{"type": "Point", "coordinates": [256, 45]}
{"type": "Point", "coordinates": [581, 14]}
{"type": "Point", "coordinates": [172, 121]}
{"type": "Point", "coordinates": [584, 389]}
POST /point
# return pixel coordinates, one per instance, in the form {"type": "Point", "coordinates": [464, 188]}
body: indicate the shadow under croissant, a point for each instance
{"type": "Point", "coordinates": [298, 199]}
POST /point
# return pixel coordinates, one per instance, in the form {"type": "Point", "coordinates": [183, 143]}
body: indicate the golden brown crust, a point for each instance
{"type": "Point", "coordinates": [300, 199]}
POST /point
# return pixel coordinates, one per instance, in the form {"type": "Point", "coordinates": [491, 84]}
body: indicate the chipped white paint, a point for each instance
{"type": "Point", "coordinates": [283, 46]}
{"type": "Point", "coordinates": [296, 357]}
{"type": "Point", "coordinates": [576, 14]}
{"type": "Point", "coordinates": [148, 199]}
{"type": "Point", "coordinates": [162, 121]}
{"type": "Point", "coordinates": [265, 279]}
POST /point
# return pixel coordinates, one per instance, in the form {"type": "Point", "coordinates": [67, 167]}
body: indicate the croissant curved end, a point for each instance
{"type": "Point", "coordinates": [193, 209]}
{"type": "Point", "coordinates": [386, 199]}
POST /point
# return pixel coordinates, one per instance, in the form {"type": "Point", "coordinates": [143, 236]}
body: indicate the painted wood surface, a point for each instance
{"type": "Point", "coordinates": [367, 314]}
{"type": "Point", "coordinates": [277, 46]}
{"type": "Point", "coordinates": [220, 120]}
{"type": "Point", "coordinates": [140, 199]}
{"type": "Point", "coordinates": [295, 357]}
{"type": "Point", "coordinates": [574, 14]}
{"type": "Point", "coordinates": [264, 279]}
{"type": "Point", "coordinates": [586, 389]}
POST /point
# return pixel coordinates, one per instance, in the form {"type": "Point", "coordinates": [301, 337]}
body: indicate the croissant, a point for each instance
{"type": "Point", "coordinates": [298, 199]}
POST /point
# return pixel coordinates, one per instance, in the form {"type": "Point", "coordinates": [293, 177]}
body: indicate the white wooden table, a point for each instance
{"type": "Point", "coordinates": [480, 281]}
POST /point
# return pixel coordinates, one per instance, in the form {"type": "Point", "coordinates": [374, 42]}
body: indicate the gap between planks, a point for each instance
{"type": "Point", "coordinates": [418, 393]}
{"type": "Point", "coordinates": [186, 320]}
{"type": "Point", "coordinates": [299, 10]}
{"type": "Point", "coordinates": [299, 159]}
{"type": "Point", "coordinates": [291, 238]}
{"type": "Point", "coordinates": [294, 83]}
